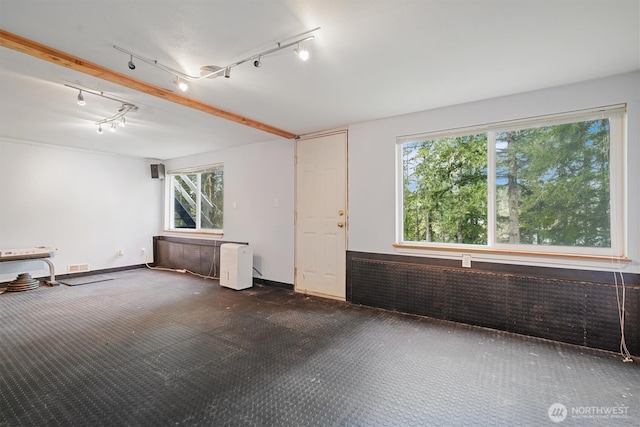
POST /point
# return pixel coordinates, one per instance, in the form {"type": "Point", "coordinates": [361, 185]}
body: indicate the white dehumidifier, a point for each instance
{"type": "Point", "coordinates": [236, 266]}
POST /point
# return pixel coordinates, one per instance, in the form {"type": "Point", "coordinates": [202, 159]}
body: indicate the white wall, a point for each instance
{"type": "Point", "coordinates": [372, 173]}
{"type": "Point", "coordinates": [87, 205]}
{"type": "Point", "coordinates": [254, 177]}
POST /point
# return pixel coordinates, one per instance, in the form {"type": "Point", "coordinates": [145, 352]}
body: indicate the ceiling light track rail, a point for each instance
{"type": "Point", "coordinates": [212, 71]}
{"type": "Point", "coordinates": [64, 59]}
{"type": "Point", "coordinates": [114, 121]}
{"type": "Point", "coordinates": [96, 92]}
{"type": "Point", "coordinates": [153, 62]}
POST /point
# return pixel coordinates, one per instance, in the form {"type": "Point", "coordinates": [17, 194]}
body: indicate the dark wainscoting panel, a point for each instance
{"type": "Point", "coordinates": [197, 255]}
{"type": "Point", "coordinates": [483, 303]}
{"type": "Point", "coordinates": [535, 301]}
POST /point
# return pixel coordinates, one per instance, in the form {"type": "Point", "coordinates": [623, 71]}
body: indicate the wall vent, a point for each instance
{"type": "Point", "coordinates": [77, 268]}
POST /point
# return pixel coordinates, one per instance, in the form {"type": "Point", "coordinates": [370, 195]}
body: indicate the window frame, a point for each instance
{"type": "Point", "coordinates": [169, 224]}
{"type": "Point", "coordinates": [617, 146]}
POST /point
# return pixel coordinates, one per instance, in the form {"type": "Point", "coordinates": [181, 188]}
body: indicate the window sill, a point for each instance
{"type": "Point", "coordinates": [191, 232]}
{"type": "Point", "coordinates": [456, 251]}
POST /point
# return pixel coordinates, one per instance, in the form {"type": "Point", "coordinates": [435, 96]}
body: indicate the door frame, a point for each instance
{"type": "Point", "coordinates": [305, 137]}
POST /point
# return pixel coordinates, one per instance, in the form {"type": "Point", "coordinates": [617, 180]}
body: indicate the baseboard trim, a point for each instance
{"type": "Point", "coordinates": [95, 272]}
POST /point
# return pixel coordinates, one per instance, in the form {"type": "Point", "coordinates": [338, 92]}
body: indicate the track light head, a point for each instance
{"type": "Point", "coordinates": [99, 129]}
{"type": "Point", "coordinates": [81, 100]}
{"type": "Point", "coordinates": [303, 54]}
{"type": "Point", "coordinates": [227, 72]}
{"type": "Point", "coordinates": [131, 65]}
{"type": "Point", "coordinates": [113, 126]}
{"type": "Point", "coordinates": [182, 85]}
{"type": "Point", "coordinates": [257, 63]}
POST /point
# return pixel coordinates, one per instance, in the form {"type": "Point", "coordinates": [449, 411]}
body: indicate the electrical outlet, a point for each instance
{"type": "Point", "coordinates": [466, 260]}
{"type": "Point", "coordinates": [120, 253]}
{"type": "Point", "coordinates": [143, 251]}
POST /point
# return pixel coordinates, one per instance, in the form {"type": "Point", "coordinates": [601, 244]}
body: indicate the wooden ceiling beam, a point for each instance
{"type": "Point", "coordinates": [38, 50]}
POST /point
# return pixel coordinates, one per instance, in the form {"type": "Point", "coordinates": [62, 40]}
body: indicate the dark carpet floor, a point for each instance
{"type": "Point", "coordinates": [159, 348]}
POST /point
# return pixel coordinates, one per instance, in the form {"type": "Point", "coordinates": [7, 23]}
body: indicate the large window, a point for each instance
{"type": "Point", "coordinates": [550, 184]}
{"type": "Point", "coordinates": [196, 198]}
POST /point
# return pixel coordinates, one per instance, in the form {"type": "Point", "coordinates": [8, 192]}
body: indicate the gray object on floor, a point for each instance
{"type": "Point", "coordinates": [24, 282]}
{"type": "Point", "coordinates": [161, 348]}
{"type": "Point", "coordinates": [85, 280]}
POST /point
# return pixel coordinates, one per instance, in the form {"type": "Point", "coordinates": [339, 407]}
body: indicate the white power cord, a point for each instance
{"type": "Point", "coordinates": [181, 270]}
{"type": "Point", "coordinates": [624, 352]}
{"type": "Point", "coordinates": [184, 270]}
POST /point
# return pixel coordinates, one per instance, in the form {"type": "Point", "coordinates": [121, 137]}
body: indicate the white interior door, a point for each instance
{"type": "Point", "coordinates": [321, 215]}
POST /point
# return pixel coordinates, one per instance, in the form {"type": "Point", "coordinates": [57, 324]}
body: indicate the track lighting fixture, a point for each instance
{"type": "Point", "coordinates": [303, 54]}
{"type": "Point", "coordinates": [117, 119]}
{"type": "Point", "coordinates": [182, 85]}
{"type": "Point", "coordinates": [213, 71]}
{"type": "Point", "coordinates": [113, 121]}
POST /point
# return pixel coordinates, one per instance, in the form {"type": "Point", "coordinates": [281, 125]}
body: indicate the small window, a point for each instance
{"type": "Point", "coordinates": [196, 199]}
{"type": "Point", "coordinates": [548, 184]}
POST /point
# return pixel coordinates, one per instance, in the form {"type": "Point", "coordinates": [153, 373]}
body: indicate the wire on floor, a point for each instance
{"type": "Point", "coordinates": [624, 352]}
{"type": "Point", "coordinates": [620, 295]}
{"type": "Point", "coordinates": [182, 270]}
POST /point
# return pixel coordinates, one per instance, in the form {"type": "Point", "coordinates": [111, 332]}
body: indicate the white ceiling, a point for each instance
{"type": "Point", "coordinates": [371, 59]}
